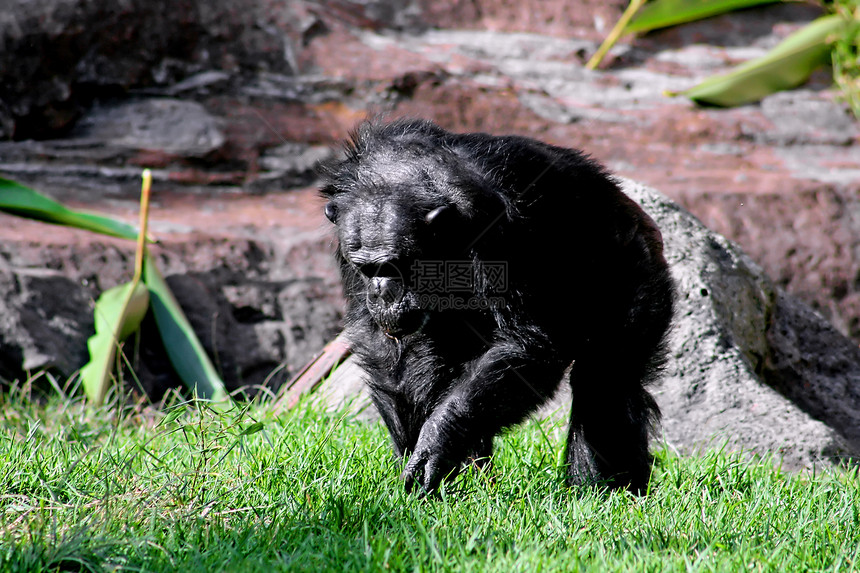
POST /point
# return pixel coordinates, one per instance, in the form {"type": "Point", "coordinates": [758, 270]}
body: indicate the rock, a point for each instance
{"type": "Point", "coordinates": [171, 126]}
{"type": "Point", "coordinates": [53, 48]}
{"type": "Point", "coordinates": [589, 18]}
{"type": "Point", "coordinates": [816, 368]}
{"type": "Point", "coordinates": [804, 117]}
{"type": "Point", "coordinates": [292, 164]}
{"type": "Point", "coordinates": [60, 55]}
{"type": "Point", "coordinates": [807, 241]}
{"type": "Point", "coordinates": [41, 323]}
{"type": "Point", "coordinates": [751, 369]}
{"type": "Point", "coordinates": [750, 366]}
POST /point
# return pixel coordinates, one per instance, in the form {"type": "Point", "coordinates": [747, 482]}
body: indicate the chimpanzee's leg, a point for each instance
{"type": "Point", "coordinates": [611, 419]}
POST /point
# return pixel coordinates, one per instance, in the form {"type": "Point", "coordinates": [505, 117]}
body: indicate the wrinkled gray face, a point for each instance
{"type": "Point", "coordinates": [378, 239]}
{"type": "Point", "coordinates": [397, 207]}
{"type": "Point", "coordinates": [382, 235]}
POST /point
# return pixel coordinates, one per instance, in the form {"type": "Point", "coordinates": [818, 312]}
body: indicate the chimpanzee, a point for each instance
{"type": "Point", "coordinates": [477, 269]}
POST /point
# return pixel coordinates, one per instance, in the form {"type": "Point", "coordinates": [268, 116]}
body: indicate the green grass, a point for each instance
{"type": "Point", "coordinates": [190, 489]}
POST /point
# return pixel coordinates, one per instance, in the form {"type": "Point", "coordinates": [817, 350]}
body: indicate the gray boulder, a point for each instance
{"type": "Point", "coordinates": [169, 126]}
{"type": "Point", "coordinates": [751, 368]}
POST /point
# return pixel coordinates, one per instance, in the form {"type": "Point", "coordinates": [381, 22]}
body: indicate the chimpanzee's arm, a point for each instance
{"type": "Point", "coordinates": [503, 386]}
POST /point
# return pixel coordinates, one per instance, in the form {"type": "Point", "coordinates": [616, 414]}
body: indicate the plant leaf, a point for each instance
{"type": "Point", "coordinates": [187, 355]}
{"type": "Point", "coordinates": [252, 429]}
{"type": "Point", "coordinates": [25, 202]}
{"type": "Point", "coordinates": [787, 65]}
{"type": "Point", "coordinates": [174, 414]}
{"type": "Point", "coordinates": [118, 313]}
{"type": "Point", "coordinates": [665, 13]}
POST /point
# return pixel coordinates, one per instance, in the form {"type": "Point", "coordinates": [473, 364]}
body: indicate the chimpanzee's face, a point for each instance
{"type": "Point", "coordinates": [385, 228]}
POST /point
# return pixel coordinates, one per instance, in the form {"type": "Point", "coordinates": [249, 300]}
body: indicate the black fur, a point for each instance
{"type": "Point", "coordinates": [585, 283]}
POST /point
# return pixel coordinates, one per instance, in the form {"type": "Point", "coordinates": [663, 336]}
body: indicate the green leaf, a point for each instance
{"type": "Point", "coordinates": [187, 355]}
{"type": "Point", "coordinates": [787, 65]}
{"type": "Point", "coordinates": [118, 313]}
{"type": "Point", "coordinates": [252, 429]}
{"type": "Point", "coordinates": [172, 415]}
{"type": "Point", "coordinates": [25, 202]}
{"type": "Point", "coordinates": [665, 13]}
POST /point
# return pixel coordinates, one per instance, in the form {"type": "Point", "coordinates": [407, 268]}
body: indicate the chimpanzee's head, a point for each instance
{"type": "Point", "coordinates": [401, 197]}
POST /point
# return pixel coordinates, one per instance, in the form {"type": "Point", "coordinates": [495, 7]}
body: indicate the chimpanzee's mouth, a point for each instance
{"type": "Point", "coordinates": [395, 309]}
{"type": "Point", "coordinates": [402, 325]}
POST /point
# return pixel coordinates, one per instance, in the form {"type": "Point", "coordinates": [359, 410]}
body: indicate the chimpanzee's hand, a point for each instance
{"type": "Point", "coordinates": [433, 460]}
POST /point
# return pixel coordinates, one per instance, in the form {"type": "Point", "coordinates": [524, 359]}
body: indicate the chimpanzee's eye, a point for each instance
{"type": "Point", "coordinates": [331, 212]}
{"type": "Point", "coordinates": [438, 213]}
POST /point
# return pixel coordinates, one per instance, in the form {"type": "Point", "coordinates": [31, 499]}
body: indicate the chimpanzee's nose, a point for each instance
{"type": "Point", "coordinates": [388, 289]}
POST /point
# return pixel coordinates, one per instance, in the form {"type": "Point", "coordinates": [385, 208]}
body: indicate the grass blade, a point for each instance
{"type": "Point", "coordinates": [187, 355]}
{"type": "Point", "coordinates": [789, 64]}
{"type": "Point", "coordinates": [665, 13]}
{"type": "Point", "coordinates": [118, 313]}
{"type": "Point", "coordinates": [252, 429]}
{"type": "Point", "coordinates": [25, 202]}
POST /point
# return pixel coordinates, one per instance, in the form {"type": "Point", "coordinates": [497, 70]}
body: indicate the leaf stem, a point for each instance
{"type": "Point", "coordinates": [616, 33]}
{"type": "Point", "coordinates": [144, 220]}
